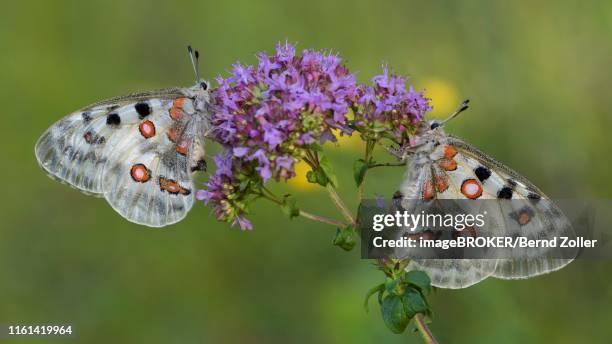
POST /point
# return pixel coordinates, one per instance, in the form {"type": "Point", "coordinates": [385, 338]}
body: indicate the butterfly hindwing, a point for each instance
{"type": "Point", "coordinates": [419, 188]}
{"type": "Point", "coordinates": [148, 180]}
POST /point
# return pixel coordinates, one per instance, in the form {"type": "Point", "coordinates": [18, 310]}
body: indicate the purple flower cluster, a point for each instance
{"type": "Point", "coordinates": [267, 116]}
{"type": "Point", "coordinates": [222, 191]}
{"type": "Point", "coordinates": [269, 113]}
{"type": "Point", "coordinates": [388, 108]}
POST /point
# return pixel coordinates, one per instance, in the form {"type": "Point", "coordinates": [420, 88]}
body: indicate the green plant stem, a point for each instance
{"type": "Point", "coordinates": [428, 337]}
{"type": "Point", "coordinates": [331, 190]}
{"type": "Point", "coordinates": [267, 194]}
{"type": "Point", "coordinates": [271, 196]}
{"type": "Point", "coordinates": [388, 164]}
{"type": "Point", "coordinates": [322, 219]}
{"type": "Point", "coordinates": [366, 158]}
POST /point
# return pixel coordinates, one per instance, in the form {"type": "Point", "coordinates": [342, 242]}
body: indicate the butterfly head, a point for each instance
{"type": "Point", "coordinates": [200, 94]}
{"type": "Point", "coordinates": [203, 84]}
{"type": "Point", "coordinates": [428, 134]}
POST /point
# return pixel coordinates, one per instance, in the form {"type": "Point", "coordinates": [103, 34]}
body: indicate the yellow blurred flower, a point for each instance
{"type": "Point", "coordinates": [443, 95]}
{"type": "Point", "coordinates": [352, 142]}
{"type": "Point", "coordinates": [299, 181]}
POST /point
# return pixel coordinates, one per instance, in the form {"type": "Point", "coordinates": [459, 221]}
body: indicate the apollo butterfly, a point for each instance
{"type": "Point", "coordinates": [444, 167]}
{"type": "Point", "coordinates": [137, 151]}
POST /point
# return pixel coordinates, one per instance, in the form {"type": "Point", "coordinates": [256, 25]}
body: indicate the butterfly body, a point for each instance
{"type": "Point", "coordinates": [444, 167]}
{"type": "Point", "coordinates": [137, 151]}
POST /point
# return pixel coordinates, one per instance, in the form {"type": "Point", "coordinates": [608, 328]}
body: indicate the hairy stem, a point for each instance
{"type": "Point", "coordinates": [270, 196]}
{"type": "Point", "coordinates": [428, 337]}
{"type": "Point", "coordinates": [322, 219]}
{"type": "Point", "coordinates": [267, 194]}
{"type": "Point", "coordinates": [366, 158]}
{"type": "Point", "coordinates": [340, 204]}
{"type": "Point", "coordinates": [388, 164]}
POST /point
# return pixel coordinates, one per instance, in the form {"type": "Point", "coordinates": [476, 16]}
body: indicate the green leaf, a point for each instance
{"type": "Point", "coordinates": [378, 289]}
{"type": "Point", "coordinates": [359, 169]}
{"type": "Point", "coordinates": [414, 303]}
{"type": "Point", "coordinates": [315, 147]}
{"type": "Point", "coordinates": [289, 206]}
{"type": "Point", "coordinates": [345, 238]}
{"type": "Point", "coordinates": [311, 176]}
{"type": "Point", "coordinates": [418, 279]}
{"type": "Point", "coordinates": [394, 313]}
{"type": "Point", "coordinates": [243, 185]}
{"type": "Point", "coordinates": [328, 170]}
{"type": "Point", "coordinates": [317, 177]}
{"type": "Point", "coordinates": [394, 286]}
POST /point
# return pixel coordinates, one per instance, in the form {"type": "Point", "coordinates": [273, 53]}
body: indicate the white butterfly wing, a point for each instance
{"type": "Point", "coordinates": [137, 151]}
{"type": "Point", "coordinates": [460, 171]}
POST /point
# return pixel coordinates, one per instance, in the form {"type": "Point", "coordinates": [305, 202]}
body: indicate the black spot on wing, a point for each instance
{"type": "Point", "coordinates": [143, 109]}
{"type": "Point", "coordinates": [534, 196]}
{"type": "Point", "coordinates": [199, 166]}
{"type": "Point", "coordinates": [504, 193]}
{"type": "Point", "coordinates": [113, 119]}
{"type": "Point", "coordinates": [86, 116]}
{"type": "Point", "coordinates": [482, 173]}
{"type": "Point", "coordinates": [398, 195]}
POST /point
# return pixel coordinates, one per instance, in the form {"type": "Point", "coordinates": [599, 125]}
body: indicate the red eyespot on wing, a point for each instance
{"type": "Point", "coordinates": [471, 188]}
{"type": "Point", "coordinates": [172, 134]}
{"type": "Point", "coordinates": [466, 232]}
{"type": "Point", "coordinates": [448, 164]}
{"type": "Point", "coordinates": [176, 112]}
{"type": "Point", "coordinates": [140, 173]}
{"type": "Point", "coordinates": [441, 183]}
{"type": "Point", "coordinates": [428, 190]}
{"type": "Point", "coordinates": [182, 147]}
{"type": "Point", "coordinates": [524, 218]}
{"type": "Point", "coordinates": [172, 187]}
{"type": "Point", "coordinates": [449, 152]}
{"type": "Point", "coordinates": [147, 129]}
{"type": "Point", "coordinates": [178, 103]}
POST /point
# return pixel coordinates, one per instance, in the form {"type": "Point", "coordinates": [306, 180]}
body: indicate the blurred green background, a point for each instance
{"type": "Point", "coordinates": [539, 78]}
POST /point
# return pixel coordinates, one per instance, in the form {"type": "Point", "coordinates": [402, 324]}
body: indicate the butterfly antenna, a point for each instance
{"type": "Point", "coordinates": [194, 61]}
{"type": "Point", "coordinates": [459, 110]}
